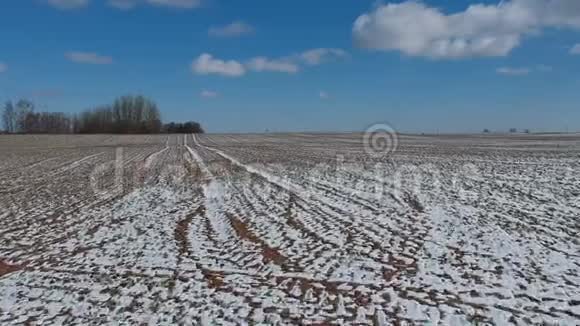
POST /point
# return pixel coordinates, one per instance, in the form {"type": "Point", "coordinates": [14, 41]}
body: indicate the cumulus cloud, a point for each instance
{"type": "Point", "coordinates": [291, 64]}
{"type": "Point", "coordinates": [208, 94]}
{"type": "Point", "coordinates": [88, 58]}
{"type": "Point", "coordinates": [416, 29]}
{"type": "Point", "coordinates": [237, 28]}
{"type": "Point", "coordinates": [575, 49]}
{"type": "Point", "coordinates": [261, 64]}
{"type": "Point", "coordinates": [68, 4]}
{"type": "Point", "coordinates": [206, 64]}
{"type": "Point", "coordinates": [510, 71]}
{"type": "Point", "coordinates": [323, 95]}
{"type": "Point", "coordinates": [3, 67]}
{"type": "Point", "coordinates": [317, 56]}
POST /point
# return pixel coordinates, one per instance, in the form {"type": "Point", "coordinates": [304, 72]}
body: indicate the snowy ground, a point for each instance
{"type": "Point", "coordinates": [289, 229]}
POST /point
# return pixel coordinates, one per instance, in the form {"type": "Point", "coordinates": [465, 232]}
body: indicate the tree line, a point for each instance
{"type": "Point", "coordinates": [127, 115]}
{"type": "Point", "coordinates": [190, 127]}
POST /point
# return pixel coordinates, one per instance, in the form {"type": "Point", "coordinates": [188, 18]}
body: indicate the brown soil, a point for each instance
{"type": "Point", "coordinates": [182, 230]}
{"type": "Point", "coordinates": [269, 254]}
{"type": "Point", "coordinates": [215, 280]}
{"type": "Point", "coordinates": [6, 268]}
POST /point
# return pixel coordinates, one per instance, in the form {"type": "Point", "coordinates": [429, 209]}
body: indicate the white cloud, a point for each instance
{"type": "Point", "coordinates": [261, 64]}
{"type": "Point", "coordinates": [509, 71]}
{"type": "Point", "coordinates": [292, 63]}
{"type": "Point", "coordinates": [323, 95]}
{"type": "Point", "coordinates": [68, 4]}
{"type": "Point", "coordinates": [480, 31]}
{"type": "Point", "coordinates": [317, 56]}
{"type": "Point", "coordinates": [237, 28]}
{"type": "Point", "coordinates": [206, 64]}
{"type": "Point", "coordinates": [522, 71]}
{"type": "Point", "coordinates": [575, 49]}
{"type": "Point", "coordinates": [3, 67]}
{"type": "Point", "coordinates": [208, 94]}
{"type": "Point", "coordinates": [123, 4]}
{"type": "Point", "coordinates": [185, 4]}
{"type": "Point", "coordinates": [88, 58]}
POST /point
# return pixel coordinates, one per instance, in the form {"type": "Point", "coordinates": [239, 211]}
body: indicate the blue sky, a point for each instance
{"type": "Point", "coordinates": [243, 66]}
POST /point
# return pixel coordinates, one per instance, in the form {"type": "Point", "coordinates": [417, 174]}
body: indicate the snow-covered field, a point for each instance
{"type": "Point", "coordinates": [286, 229]}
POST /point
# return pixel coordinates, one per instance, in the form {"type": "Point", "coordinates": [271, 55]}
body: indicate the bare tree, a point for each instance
{"type": "Point", "coordinates": [190, 127]}
{"type": "Point", "coordinates": [23, 109]}
{"type": "Point", "coordinates": [128, 114]}
{"type": "Point", "coordinates": [9, 117]}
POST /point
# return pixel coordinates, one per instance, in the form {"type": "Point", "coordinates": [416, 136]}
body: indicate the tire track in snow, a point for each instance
{"type": "Point", "coordinates": [41, 162]}
{"type": "Point", "coordinates": [151, 158]}
{"type": "Point", "coordinates": [229, 231]}
{"type": "Point", "coordinates": [280, 226]}
{"type": "Point", "coordinates": [75, 164]}
{"type": "Point", "coordinates": [204, 169]}
{"type": "Point", "coordinates": [333, 213]}
{"type": "Point", "coordinates": [359, 233]}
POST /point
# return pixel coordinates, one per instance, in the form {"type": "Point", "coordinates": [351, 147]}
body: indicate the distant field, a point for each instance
{"type": "Point", "coordinates": [289, 229]}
